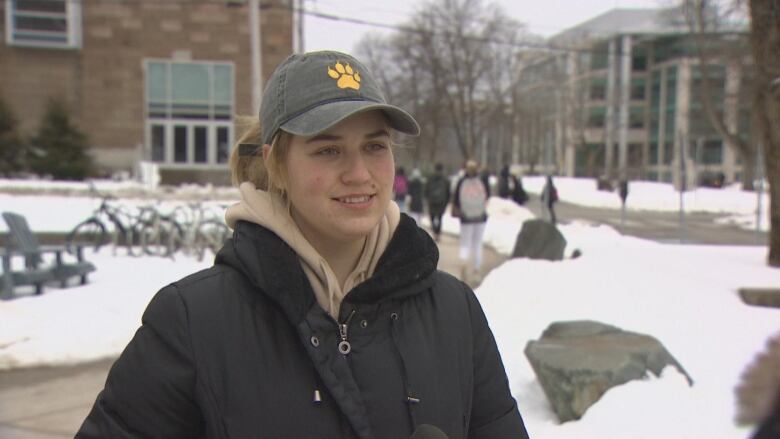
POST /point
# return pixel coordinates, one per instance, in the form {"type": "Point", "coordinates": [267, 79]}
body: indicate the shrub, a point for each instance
{"type": "Point", "coordinates": [12, 150]}
{"type": "Point", "coordinates": [59, 149]}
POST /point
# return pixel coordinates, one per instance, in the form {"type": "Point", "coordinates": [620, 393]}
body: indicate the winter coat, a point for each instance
{"type": "Point", "coordinates": [437, 192]}
{"type": "Point", "coordinates": [243, 350]}
{"type": "Point", "coordinates": [549, 193]}
{"type": "Point", "coordinates": [510, 186]}
{"type": "Point", "coordinates": [415, 195]}
{"type": "Point", "coordinates": [471, 194]}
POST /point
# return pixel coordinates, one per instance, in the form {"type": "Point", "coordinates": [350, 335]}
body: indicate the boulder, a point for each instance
{"type": "Point", "coordinates": [577, 362]}
{"type": "Point", "coordinates": [538, 239]}
{"type": "Point", "coordinates": [769, 297]}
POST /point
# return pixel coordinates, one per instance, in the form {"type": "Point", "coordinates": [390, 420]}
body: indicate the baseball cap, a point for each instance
{"type": "Point", "coordinates": [309, 93]}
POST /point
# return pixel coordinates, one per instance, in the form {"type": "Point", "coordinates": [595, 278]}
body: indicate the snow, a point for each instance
{"type": "Point", "coordinates": [684, 295]}
{"type": "Point", "coordinates": [644, 195]}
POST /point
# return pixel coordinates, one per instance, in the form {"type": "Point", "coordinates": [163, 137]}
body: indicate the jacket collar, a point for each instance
{"type": "Point", "coordinates": [405, 268]}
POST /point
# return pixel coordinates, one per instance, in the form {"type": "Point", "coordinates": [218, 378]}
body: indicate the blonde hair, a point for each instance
{"type": "Point", "coordinates": [246, 159]}
{"type": "Point", "coordinates": [248, 165]}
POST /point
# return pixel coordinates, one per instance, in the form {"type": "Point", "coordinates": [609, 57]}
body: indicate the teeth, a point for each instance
{"type": "Point", "coordinates": [354, 200]}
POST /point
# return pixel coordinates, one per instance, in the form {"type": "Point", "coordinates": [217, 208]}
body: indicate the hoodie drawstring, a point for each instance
{"type": "Point", "coordinates": [411, 400]}
{"type": "Point", "coordinates": [317, 397]}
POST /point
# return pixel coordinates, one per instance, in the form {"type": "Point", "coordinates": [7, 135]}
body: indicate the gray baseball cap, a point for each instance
{"type": "Point", "coordinates": [309, 93]}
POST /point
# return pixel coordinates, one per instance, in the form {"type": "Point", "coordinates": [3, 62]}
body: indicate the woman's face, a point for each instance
{"type": "Point", "coordinates": [339, 182]}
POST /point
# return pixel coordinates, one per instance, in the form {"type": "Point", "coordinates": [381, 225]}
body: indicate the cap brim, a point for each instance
{"type": "Point", "coordinates": [322, 117]}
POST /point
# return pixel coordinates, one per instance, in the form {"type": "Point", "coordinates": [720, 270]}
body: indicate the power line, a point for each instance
{"type": "Point", "coordinates": [545, 47]}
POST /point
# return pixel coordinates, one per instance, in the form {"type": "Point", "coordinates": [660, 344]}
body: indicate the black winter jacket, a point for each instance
{"type": "Point", "coordinates": [243, 350]}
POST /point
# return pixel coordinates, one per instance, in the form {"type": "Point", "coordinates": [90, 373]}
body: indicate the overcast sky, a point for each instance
{"type": "Point", "coordinates": [543, 17]}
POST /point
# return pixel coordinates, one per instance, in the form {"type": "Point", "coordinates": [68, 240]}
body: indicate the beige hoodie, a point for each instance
{"type": "Point", "coordinates": [270, 211]}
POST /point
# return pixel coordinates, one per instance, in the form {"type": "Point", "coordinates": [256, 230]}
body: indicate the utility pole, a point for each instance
{"type": "Point", "coordinates": [301, 24]}
{"type": "Point", "coordinates": [625, 101]}
{"type": "Point", "coordinates": [683, 185]}
{"type": "Point", "coordinates": [759, 192]}
{"type": "Point", "coordinates": [256, 45]}
{"type": "Point", "coordinates": [609, 119]}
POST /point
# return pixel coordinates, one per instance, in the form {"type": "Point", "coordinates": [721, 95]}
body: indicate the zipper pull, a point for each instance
{"type": "Point", "coordinates": [344, 346]}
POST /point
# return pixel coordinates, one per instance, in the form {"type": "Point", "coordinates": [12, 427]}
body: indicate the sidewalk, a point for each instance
{"type": "Point", "coordinates": [52, 402]}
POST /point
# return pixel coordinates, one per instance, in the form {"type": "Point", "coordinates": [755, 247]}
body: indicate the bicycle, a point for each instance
{"type": "Point", "coordinates": [159, 234]}
{"type": "Point", "coordinates": [95, 231]}
{"type": "Point", "coordinates": [204, 230]}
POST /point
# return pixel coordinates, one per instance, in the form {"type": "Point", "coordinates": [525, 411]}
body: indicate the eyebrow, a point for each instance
{"type": "Point", "coordinates": [330, 137]}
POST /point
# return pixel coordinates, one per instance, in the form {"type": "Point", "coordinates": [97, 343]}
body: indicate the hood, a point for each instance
{"type": "Point", "coordinates": [270, 264]}
{"type": "Point", "coordinates": [271, 212]}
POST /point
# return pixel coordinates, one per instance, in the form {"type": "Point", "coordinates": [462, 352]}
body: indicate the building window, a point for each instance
{"type": "Point", "coordinates": [710, 152]}
{"type": "Point", "coordinates": [596, 117]}
{"type": "Point", "coordinates": [598, 92]}
{"type": "Point", "coordinates": [43, 23]}
{"type": "Point", "coordinates": [638, 89]}
{"type": "Point", "coordinates": [189, 112]}
{"type": "Point", "coordinates": [636, 117]}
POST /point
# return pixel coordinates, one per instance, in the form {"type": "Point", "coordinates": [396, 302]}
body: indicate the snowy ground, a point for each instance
{"type": "Point", "coordinates": [26, 196]}
{"type": "Point", "coordinates": [683, 295]}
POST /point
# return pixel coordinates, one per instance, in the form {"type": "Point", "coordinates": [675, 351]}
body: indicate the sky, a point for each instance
{"type": "Point", "coordinates": [545, 18]}
{"type": "Point", "coordinates": [688, 301]}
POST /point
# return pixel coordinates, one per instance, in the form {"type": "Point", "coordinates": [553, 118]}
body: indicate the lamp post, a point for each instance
{"type": "Point", "coordinates": [255, 45]}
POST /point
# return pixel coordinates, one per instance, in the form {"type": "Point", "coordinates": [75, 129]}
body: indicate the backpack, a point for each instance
{"type": "Point", "coordinates": [473, 198]}
{"type": "Point", "coordinates": [437, 190]}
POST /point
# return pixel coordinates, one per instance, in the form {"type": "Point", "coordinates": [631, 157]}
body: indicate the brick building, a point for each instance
{"type": "Point", "coordinates": [158, 80]}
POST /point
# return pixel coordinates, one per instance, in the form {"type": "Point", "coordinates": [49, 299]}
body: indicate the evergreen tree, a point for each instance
{"type": "Point", "coordinates": [12, 150]}
{"type": "Point", "coordinates": [59, 148]}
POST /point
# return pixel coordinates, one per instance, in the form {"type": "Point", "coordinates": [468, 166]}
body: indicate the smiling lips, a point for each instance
{"type": "Point", "coordinates": [355, 199]}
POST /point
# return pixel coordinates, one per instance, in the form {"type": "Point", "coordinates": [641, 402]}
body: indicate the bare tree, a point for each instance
{"type": "Point", "coordinates": [765, 41]}
{"type": "Point", "coordinates": [460, 46]}
{"type": "Point", "coordinates": [715, 18]}
{"type": "Point", "coordinates": [398, 73]}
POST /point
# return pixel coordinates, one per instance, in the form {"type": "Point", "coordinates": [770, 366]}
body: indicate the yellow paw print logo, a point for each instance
{"type": "Point", "coordinates": [347, 78]}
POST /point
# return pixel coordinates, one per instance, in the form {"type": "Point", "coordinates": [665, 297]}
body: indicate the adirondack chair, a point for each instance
{"type": "Point", "coordinates": [36, 272]}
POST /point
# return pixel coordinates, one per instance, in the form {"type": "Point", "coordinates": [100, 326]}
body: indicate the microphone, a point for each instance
{"type": "Point", "coordinates": [427, 431]}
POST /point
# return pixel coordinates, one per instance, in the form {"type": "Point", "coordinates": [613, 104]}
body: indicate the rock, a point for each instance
{"type": "Point", "coordinates": [769, 297]}
{"type": "Point", "coordinates": [539, 239]}
{"type": "Point", "coordinates": [759, 386]}
{"type": "Point", "coordinates": [577, 362]}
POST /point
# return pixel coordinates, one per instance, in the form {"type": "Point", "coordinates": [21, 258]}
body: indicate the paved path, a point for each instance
{"type": "Point", "coordinates": [52, 402]}
{"type": "Point", "coordinates": [700, 227]}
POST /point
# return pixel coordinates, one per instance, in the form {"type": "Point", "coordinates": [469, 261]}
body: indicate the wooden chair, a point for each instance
{"type": "Point", "coordinates": [35, 272]}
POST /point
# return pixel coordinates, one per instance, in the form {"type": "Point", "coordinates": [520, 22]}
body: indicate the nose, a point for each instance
{"type": "Point", "coordinates": [356, 170]}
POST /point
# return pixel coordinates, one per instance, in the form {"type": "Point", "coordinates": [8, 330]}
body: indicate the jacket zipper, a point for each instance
{"type": "Point", "coordinates": [344, 346]}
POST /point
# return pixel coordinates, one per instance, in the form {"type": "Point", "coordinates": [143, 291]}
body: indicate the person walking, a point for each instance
{"type": "Point", "coordinates": [400, 188]}
{"type": "Point", "coordinates": [415, 191]}
{"type": "Point", "coordinates": [324, 315]}
{"type": "Point", "coordinates": [549, 198]}
{"type": "Point", "coordinates": [470, 205]}
{"type": "Point", "coordinates": [510, 187]}
{"type": "Point", "coordinates": [437, 193]}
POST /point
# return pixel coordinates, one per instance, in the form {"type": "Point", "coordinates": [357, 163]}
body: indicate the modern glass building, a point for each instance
{"type": "Point", "coordinates": [624, 96]}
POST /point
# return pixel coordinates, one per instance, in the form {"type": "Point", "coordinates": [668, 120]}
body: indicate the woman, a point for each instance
{"type": "Point", "coordinates": [437, 192]}
{"type": "Point", "coordinates": [416, 187]}
{"type": "Point", "coordinates": [324, 315]}
{"type": "Point", "coordinates": [400, 188]}
{"type": "Point", "coordinates": [470, 205]}
{"type": "Point", "coordinates": [549, 197]}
